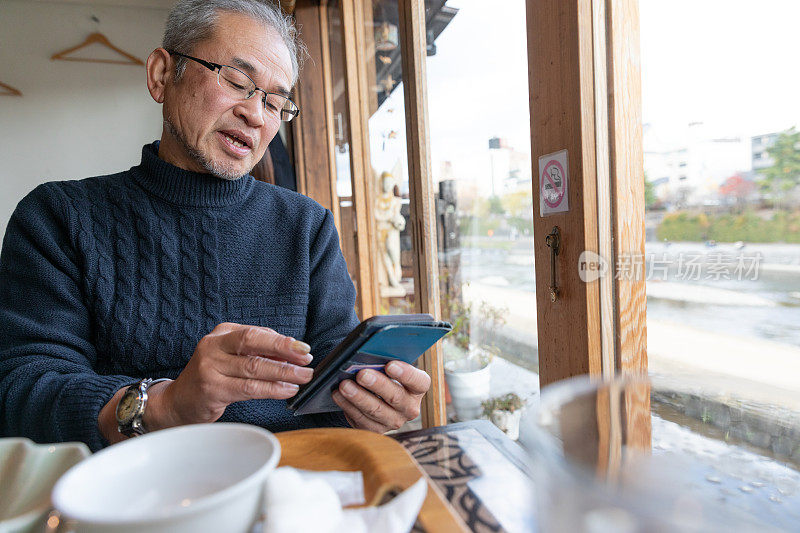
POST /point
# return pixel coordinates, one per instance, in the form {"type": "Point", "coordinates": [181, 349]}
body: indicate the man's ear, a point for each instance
{"type": "Point", "coordinates": [159, 72]}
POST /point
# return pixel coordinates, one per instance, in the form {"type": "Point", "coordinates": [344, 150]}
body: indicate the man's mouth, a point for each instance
{"type": "Point", "coordinates": [237, 139]}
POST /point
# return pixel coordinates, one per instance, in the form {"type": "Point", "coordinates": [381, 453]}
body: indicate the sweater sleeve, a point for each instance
{"type": "Point", "coordinates": [49, 389]}
{"type": "Point", "coordinates": [331, 303]}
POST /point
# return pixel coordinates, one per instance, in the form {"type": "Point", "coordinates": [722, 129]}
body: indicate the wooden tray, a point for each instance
{"type": "Point", "coordinates": [386, 466]}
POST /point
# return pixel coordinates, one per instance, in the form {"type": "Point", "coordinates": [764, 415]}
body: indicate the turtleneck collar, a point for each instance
{"type": "Point", "coordinates": [187, 188]}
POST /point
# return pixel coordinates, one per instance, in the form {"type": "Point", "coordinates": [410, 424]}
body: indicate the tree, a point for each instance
{"type": "Point", "coordinates": [784, 174]}
{"type": "Point", "coordinates": [736, 189]}
{"type": "Point", "coordinates": [496, 206]}
{"type": "Point", "coordinates": [649, 193]}
{"type": "Point", "coordinates": [519, 203]}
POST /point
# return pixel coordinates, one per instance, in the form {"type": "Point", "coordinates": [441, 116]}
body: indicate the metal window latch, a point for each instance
{"type": "Point", "coordinates": [553, 241]}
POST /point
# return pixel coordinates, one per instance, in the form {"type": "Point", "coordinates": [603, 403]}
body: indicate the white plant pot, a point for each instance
{"type": "Point", "coordinates": [468, 388]}
{"type": "Point", "coordinates": [508, 422]}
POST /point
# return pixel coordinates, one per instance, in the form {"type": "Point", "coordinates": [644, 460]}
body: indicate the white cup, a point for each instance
{"type": "Point", "coordinates": [205, 477]}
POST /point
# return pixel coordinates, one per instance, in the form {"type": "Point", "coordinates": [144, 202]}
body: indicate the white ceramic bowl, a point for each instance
{"type": "Point", "coordinates": [28, 472]}
{"type": "Point", "coordinates": [205, 477]}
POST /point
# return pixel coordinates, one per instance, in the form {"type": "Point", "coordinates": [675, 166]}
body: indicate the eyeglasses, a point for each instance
{"type": "Point", "coordinates": [239, 84]}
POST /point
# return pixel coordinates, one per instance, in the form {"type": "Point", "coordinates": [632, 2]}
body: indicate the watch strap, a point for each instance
{"type": "Point", "coordinates": [135, 425]}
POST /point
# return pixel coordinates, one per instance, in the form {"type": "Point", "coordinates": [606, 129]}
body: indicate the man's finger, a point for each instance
{"type": "Point", "coordinates": [239, 389]}
{"type": "Point", "coordinates": [290, 343]}
{"type": "Point", "coordinates": [391, 392]}
{"type": "Point", "coordinates": [225, 327]}
{"type": "Point", "coordinates": [415, 380]}
{"type": "Point", "coordinates": [370, 405]}
{"type": "Point", "coordinates": [263, 369]}
{"type": "Point", "coordinates": [253, 340]}
{"type": "Point", "coordinates": [357, 418]}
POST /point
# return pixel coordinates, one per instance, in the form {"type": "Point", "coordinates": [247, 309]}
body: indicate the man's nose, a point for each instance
{"type": "Point", "coordinates": [251, 110]}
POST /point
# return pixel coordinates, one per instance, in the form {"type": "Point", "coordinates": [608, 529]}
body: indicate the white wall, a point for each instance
{"type": "Point", "coordinates": [74, 120]}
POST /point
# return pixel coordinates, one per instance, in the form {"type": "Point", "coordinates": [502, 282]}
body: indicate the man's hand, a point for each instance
{"type": "Point", "coordinates": [231, 364]}
{"type": "Point", "coordinates": [380, 403]}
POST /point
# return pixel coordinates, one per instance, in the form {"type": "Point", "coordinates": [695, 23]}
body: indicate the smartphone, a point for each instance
{"type": "Point", "coordinates": [372, 344]}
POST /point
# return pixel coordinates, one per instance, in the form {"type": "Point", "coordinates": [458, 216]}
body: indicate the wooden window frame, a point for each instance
{"type": "Point", "coordinates": [412, 33]}
{"type": "Point", "coordinates": [315, 159]}
{"type": "Point", "coordinates": [585, 96]}
{"type": "Point", "coordinates": [314, 137]}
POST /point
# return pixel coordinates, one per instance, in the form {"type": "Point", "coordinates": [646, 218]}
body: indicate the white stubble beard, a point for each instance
{"type": "Point", "coordinates": [220, 170]}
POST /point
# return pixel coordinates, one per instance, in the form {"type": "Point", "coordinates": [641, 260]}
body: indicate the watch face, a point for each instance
{"type": "Point", "coordinates": [128, 406]}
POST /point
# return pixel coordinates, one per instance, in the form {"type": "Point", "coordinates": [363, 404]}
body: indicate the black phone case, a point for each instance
{"type": "Point", "coordinates": [372, 344]}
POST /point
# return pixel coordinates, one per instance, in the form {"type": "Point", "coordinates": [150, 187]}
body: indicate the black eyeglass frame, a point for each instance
{"type": "Point", "coordinates": [217, 67]}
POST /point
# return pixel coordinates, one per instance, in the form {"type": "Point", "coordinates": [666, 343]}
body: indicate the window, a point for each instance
{"type": "Point", "coordinates": [480, 158]}
{"type": "Point", "coordinates": [723, 263]}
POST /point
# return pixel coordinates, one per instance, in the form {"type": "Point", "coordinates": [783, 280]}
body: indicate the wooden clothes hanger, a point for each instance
{"type": "Point", "coordinates": [8, 90]}
{"type": "Point", "coordinates": [98, 38]}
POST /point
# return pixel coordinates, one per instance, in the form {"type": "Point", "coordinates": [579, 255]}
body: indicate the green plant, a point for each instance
{"type": "Point", "coordinates": [748, 226]}
{"type": "Point", "coordinates": [784, 174]}
{"type": "Point", "coordinates": [461, 315]}
{"type": "Point", "coordinates": [496, 206]}
{"type": "Point", "coordinates": [509, 402]}
{"type": "Point", "coordinates": [649, 193]}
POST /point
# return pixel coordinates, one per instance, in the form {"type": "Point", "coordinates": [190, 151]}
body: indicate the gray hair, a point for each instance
{"type": "Point", "coordinates": [193, 21]}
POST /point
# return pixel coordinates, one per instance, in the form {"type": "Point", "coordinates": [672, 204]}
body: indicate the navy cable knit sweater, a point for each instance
{"type": "Point", "coordinates": [107, 280]}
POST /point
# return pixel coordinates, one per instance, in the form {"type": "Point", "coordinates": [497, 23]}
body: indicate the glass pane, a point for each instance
{"type": "Point", "coordinates": [597, 464]}
{"type": "Point", "coordinates": [722, 171]}
{"type": "Point", "coordinates": [341, 133]}
{"type": "Point", "coordinates": [393, 244]}
{"type": "Point", "coordinates": [480, 154]}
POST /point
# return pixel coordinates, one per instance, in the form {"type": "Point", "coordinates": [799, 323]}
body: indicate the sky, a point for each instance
{"type": "Point", "coordinates": [477, 89]}
{"type": "Point", "coordinates": [731, 64]}
{"type": "Point", "coordinates": [478, 85]}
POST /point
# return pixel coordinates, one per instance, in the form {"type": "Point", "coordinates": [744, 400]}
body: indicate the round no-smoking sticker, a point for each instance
{"type": "Point", "coordinates": [553, 183]}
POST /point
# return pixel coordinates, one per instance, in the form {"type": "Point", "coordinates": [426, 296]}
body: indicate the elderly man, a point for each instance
{"type": "Point", "coordinates": [173, 293]}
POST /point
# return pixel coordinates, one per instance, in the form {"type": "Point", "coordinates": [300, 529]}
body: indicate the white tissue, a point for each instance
{"type": "Point", "coordinates": [349, 486]}
{"type": "Point", "coordinates": [294, 504]}
{"type": "Point", "coordinates": [299, 501]}
{"type": "Point", "coordinates": [396, 516]}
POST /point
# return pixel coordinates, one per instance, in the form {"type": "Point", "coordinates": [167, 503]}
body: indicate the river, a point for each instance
{"type": "Point", "coordinates": [761, 299]}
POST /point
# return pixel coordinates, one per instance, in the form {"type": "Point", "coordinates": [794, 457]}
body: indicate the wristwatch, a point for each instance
{"type": "Point", "coordinates": [130, 409]}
